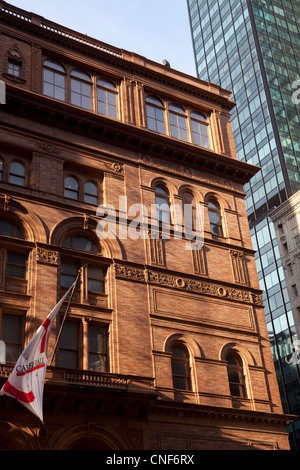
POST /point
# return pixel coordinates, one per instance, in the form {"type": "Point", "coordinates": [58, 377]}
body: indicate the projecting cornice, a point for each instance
{"type": "Point", "coordinates": [43, 110]}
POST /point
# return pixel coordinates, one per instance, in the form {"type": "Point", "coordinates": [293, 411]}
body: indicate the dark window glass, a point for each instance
{"type": "Point", "coordinates": [215, 220]}
{"type": "Point", "coordinates": [68, 354]}
{"type": "Point", "coordinates": [71, 188]}
{"type": "Point", "coordinates": [90, 193]}
{"type": "Point", "coordinates": [68, 274]}
{"type": "Point", "coordinates": [11, 334]}
{"type": "Point", "coordinates": [17, 174]}
{"type": "Point", "coordinates": [155, 115]}
{"type": "Point", "coordinates": [81, 89]}
{"type": "Point", "coordinates": [107, 98]}
{"type": "Point", "coordinates": [178, 122]}
{"type": "Point", "coordinates": [235, 375]}
{"type": "Point", "coordinates": [162, 204]}
{"type": "Point", "coordinates": [54, 80]}
{"type": "Point", "coordinates": [97, 348]}
{"type": "Point", "coordinates": [180, 367]}
{"type": "Point", "coordinates": [199, 130]}
{"type": "Point", "coordinates": [16, 265]}
{"type": "Point", "coordinates": [1, 170]}
{"type": "Point", "coordinates": [78, 242]}
{"type": "Point", "coordinates": [10, 230]}
{"type": "Point", "coordinates": [96, 279]}
{"type": "Point", "coordinates": [14, 68]}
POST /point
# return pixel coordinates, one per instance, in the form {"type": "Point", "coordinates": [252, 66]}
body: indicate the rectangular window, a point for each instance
{"type": "Point", "coordinates": [96, 279]}
{"type": "Point", "coordinates": [11, 334]}
{"type": "Point", "coordinates": [69, 345]}
{"type": "Point", "coordinates": [97, 348]}
{"type": "Point", "coordinates": [68, 274]}
{"type": "Point", "coordinates": [16, 265]}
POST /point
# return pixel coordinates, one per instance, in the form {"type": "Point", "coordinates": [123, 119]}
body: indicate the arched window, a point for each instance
{"type": "Point", "coordinates": [79, 242]}
{"type": "Point", "coordinates": [81, 89]}
{"type": "Point", "coordinates": [178, 122]}
{"type": "Point", "coordinates": [90, 193]}
{"type": "Point", "coordinates": [236, 376]}
{"type": "Point", "coordinates": [200, 130]}
{"type": "Point", "coordinates": [71, 188]}
{"type": "Point", "coordinates": [155, 115]}
{"type": "Point", "coordinates": [162, 201]}
{"type": "Point", "coordinates": [107, 98]}
{"type": "Point", "coordinates": [9, 229]}
{"type": "Point", "coordinates": [17, 174]}
{"type": "Point", "coordinates": [215, 218]}
{"type": "Point", "coordinates": [54, 80]}
{"type": "Point", "coordinates": [180, 367]}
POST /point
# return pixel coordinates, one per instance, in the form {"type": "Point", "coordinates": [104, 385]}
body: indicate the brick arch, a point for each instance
{"type": "Point", "coordinates": [165, 181]}
{"type": "Point", "coordinates": [110, 247]}
{"type": "Point", "coordinates": [14, 438]}
{"type": "Point", "coordinates": [196, 193]}
{"type": "Point", "coordinates": [189, 342]}
{"type": "Point", "coordinates": [31, 225]}
{"type": "Point", "coordinates": [224, 204]}
{"type": "Point", "coordinates": [243, 352]}
{"type": "Point", "coordinates": [86, 437]}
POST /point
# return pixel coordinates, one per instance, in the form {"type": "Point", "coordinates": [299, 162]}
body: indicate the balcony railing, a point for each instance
{"type": "Point", "coordinates": [64, 376]}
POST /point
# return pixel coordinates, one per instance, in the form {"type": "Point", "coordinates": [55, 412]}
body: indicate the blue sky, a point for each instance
{"type": "Point", "coordinates": [155, 29]}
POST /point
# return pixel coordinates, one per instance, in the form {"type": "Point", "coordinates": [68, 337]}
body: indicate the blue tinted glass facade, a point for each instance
{"type": "Point", "coordinates": [251, 47]}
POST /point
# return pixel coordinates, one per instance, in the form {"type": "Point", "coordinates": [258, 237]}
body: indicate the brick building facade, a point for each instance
{"type": "Point", "coordinates": [164, 347]}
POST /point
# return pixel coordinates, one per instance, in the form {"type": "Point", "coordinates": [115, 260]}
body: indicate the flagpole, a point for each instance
{"type": "Point", "coordinates": [65, 316]}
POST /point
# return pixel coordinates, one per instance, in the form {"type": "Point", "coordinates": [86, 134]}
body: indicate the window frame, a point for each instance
{"type": "Point", "coordinates": [217, 210]}
{"type": "Point", "coordinates": [17, 175]}
{"type": "Point", "coordinates": [20, 343]}
{"type": "Point", "coordinates": [55, 71]}
{"type": "Point", "coordinates": [238, 368]}
{"type": "Point", "coordinates": [110, 90]}
{"type": "Point", "coordinates": [186, 362]}
{"type": "Point", "coordinates": [177, 114]}
{"type": "Point", "coordinates": [82, 81]}
{"type": "Point", "coordinates": [158, 108]}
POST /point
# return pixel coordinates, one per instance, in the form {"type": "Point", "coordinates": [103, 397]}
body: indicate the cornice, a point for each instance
{"type": "Point", "coordinates": [41, 109]}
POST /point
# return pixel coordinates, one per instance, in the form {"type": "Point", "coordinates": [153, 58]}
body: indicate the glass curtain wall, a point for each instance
{"type": "Point", "coordinates": [251, 48]}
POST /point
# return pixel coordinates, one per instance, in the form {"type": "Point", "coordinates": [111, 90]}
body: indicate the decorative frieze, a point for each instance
{"type": "Point", "coordinates": [46, 256]}
{"type": "Point", "coordinates": [187, 284]}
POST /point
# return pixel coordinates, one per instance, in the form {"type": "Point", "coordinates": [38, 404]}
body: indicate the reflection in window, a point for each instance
{"type": "Point", "coordinates": [180, 367]}
{"type": "Point", "coordinates": [106, 98]}
{"type": "Point", "coordinates": [17, 174]}
{"type": "Point", "coordinates": [71, 188]}
{"type": "Point", "coordinates": [54, 80]}
{"type": "Point", "coordinates": [14, 68]}
{"type": "Point", "coordinates": [11, 333]}
{"type": "Point", "coordinates": [9, 229]}
{"type": "Point", "coordinates": [97, 348]}
{"type": "Point", "coordinates": [199, 130]}
{"type": "Point", "coordinates": [81, 89]}
{"type": "Point", "coordinates": [235, 375]}
{"type": "Point", "coordinates": [178, 122]}
{"type": "Point", "coordinates": [90, 193]}
{"type": "Point", "coordinates": [78, 242]}
{"type": "Point", "coordinates": [215, 220]}
{"type": "Point", "coordinates": [162, 204]}
{"type": "Point", "coordinates": [155, 115]}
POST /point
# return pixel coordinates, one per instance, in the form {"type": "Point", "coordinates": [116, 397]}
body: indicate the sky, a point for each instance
{"type": "Point", "coordinates": [155, 29]}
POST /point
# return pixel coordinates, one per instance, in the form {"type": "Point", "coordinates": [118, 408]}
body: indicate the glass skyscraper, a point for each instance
{"type": "Point", "coordinates": [252, 48]}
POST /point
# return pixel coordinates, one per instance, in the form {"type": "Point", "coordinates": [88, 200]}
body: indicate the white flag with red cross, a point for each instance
{"type": "Point", "coordinates": [26, 381]}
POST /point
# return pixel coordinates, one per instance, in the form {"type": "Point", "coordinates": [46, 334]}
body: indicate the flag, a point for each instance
{"type": "Point", "coordinates": [26, 381]}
